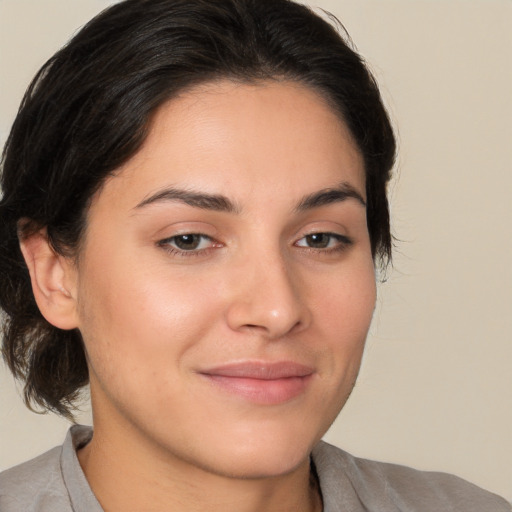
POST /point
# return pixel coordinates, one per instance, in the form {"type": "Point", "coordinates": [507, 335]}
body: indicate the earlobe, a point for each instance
{"type": "Point", "coordinates": [53, 280]}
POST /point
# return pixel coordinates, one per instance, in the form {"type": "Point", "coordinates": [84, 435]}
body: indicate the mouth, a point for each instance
{"type": "Point", "coordinates": [262, 383]}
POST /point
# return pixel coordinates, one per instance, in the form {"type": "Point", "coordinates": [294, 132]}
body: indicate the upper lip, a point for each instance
{"type": "Point", "coordinates": [260, 370]}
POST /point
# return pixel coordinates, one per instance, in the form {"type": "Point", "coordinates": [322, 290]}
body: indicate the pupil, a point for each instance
{"type": "Point", "coordinates": [188, 242]}
{"type": "Point", "coordinates": [318, 240]}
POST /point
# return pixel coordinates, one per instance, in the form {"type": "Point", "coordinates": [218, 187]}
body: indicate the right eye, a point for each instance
{"type": "Point", "coordinates": [187, 242]}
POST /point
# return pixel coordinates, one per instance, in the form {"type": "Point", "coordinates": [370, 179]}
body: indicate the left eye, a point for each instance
{"type": "Point", "coordinates": [322, 241]}
{"type": "Point", "coordinates": [188, 242]}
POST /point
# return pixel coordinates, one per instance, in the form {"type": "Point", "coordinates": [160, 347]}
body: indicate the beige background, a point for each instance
{"type": "Point", "coordinates": [435, 391]}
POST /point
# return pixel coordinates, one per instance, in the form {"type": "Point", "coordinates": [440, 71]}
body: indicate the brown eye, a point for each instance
{"type": "Point", "coordinates": [329, 241]}
{"type": "Point", "coordinates": [187, 242]}
{"type": "Point", "coordinates": [318, 240]}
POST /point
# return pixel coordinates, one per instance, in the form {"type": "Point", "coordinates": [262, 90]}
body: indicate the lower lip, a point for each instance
{"type": "Point", "coordinates": [262, 391]}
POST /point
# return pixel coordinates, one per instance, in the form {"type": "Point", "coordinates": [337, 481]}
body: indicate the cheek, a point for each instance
{"type": "Point", "coordinates": [140, 333]}
{"type": "Point", "coordinates": [343, 313]}
{"type": "Point", "coordinates": [346, 302]}
{"type": "Point", "coordinates": [146, 308]}
{"type": "Point", "coordinates": [138, 320]}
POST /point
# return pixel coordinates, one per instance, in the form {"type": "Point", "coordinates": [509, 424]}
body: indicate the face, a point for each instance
{"type": "Point", "coordinates": [226, 285]}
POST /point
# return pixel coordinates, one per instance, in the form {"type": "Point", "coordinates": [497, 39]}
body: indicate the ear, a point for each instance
{"type": "Point", "coordinates": [53, 278]}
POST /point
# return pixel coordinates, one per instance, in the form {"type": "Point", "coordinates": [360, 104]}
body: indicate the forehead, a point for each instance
{"type": "Point", "coordinates": [238, 139]}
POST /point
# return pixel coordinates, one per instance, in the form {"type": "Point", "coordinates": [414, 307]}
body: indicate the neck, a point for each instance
{"type": "Point", "coordinates": [126, 473]}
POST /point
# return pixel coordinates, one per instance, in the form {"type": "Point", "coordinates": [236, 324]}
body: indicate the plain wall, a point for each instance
{"type": "Point", "coordinates": [435, 390]}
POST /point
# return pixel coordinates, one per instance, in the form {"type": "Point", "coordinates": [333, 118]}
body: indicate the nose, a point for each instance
{"type": "Point", "coordinates": [269, 298]}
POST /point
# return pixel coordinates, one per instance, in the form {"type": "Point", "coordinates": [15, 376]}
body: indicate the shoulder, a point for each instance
{"type": "Point", "coordinates": [360, 484]}
{"type": "Point", "coordinates": [34, 485]}
{"type": "Point", "coordinates": [52, 482]}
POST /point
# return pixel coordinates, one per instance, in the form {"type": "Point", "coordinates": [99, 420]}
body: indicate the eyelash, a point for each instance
{"type": "Point", "coordinates": [176, 251]}
{"type": "Point", "coordinates": [343, 243]}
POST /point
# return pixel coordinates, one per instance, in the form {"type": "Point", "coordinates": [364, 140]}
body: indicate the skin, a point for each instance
{"type": "Point", "coordinates": [258, 288]}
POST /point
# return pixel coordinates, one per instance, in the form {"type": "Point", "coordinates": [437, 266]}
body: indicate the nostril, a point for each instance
{"type": "Point", "coordinates": [270, 304]}
{"type": "Point", "coordinates": [272, 330]}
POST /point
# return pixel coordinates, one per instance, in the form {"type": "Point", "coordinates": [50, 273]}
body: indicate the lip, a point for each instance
{"type": "Point", "coordinates": [265, 383]}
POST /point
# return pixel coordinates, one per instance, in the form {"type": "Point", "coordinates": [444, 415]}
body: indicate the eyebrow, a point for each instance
{"type": "Point", "coordinates": [220, 203]}
{"type": "Point", "coordinates": [328, 196]}
{"type": "Point", "coordinates": [215, 202]}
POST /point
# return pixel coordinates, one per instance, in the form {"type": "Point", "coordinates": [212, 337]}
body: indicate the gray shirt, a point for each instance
{"type": "Point", "coordinates": [55, 482]}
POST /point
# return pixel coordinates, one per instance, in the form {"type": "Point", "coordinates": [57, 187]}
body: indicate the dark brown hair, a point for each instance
{"type": "Point", "coordinates": [87, 112]}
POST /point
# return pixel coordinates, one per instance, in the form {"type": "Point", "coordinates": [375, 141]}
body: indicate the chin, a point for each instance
{"type": "Point", "coordinates": [272, 462]}
{"type": "Point", "coordinates": [265, 454]}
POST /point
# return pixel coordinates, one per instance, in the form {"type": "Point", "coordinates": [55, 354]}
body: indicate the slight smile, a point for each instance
{"type": "Point", "coordinates": [265, 383]}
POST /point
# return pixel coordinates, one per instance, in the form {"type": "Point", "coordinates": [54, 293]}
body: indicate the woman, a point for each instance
{"type": "Point", "coordinates": [194, 205]}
